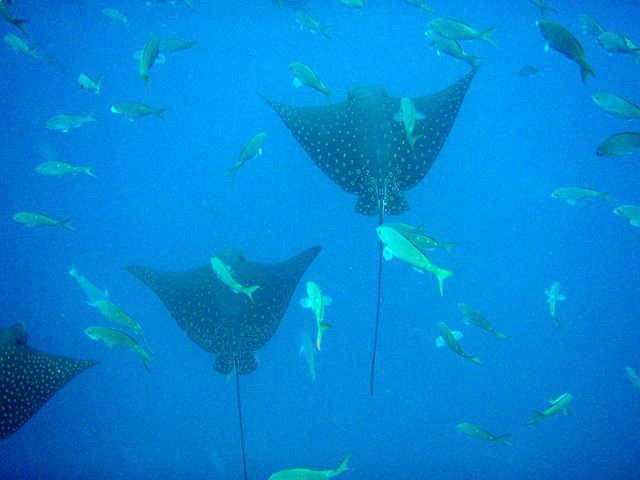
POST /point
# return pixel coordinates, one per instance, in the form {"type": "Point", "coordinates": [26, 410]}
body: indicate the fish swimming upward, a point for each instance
{"type": "Point", "coordinates": [222, 322]}
{"type": "Point", "coordinates": [361, 146]}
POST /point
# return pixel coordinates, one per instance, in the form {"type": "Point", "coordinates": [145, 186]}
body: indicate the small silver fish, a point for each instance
{"type": "Point", "coordinates": [61, 168]}
{"type": "Point", "coordinates": [133, 110]}
{"type": "Point", "coordinates": [624, 143]}
{"type": "Point", "coordinates": [63, 122]}
{"type": "Point", "coordinates": [34, 219]}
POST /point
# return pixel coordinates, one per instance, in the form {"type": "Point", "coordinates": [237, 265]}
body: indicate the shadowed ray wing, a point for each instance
{"type": "Point", "coordinates": [221, 321]}
{"type": "Point", "coordinates": [361, 146]}
{"type": "Point", "coordinates": [28, 378]}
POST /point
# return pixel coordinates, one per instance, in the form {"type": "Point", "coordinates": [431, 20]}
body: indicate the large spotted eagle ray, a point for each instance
{"type": "Point", "coordinates": [225, 323]}
{"type": "Point", "coordinates": [29, 377]}
{"type": "Point", "coordinates": [362, 147]}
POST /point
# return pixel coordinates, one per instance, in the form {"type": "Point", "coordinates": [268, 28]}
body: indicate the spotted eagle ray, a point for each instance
{"type": "Point", "coordinates": [362, 147]}
{"type": "Point", "coordinates": [29, 377]}
{"type": "Point", "coordinates": [225, 323]}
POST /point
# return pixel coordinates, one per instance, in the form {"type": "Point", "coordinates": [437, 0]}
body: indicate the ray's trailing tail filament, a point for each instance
{"type": "Point", "coordinates": [239, 403]}
{"type": "Point", "coordinates": [372, 372]}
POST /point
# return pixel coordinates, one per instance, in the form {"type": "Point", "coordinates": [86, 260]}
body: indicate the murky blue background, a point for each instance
{"type": "Point", "coordinates": [161, 199]}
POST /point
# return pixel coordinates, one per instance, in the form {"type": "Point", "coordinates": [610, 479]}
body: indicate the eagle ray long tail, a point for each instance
{"type": "Point", "coordinates": [372, 372]}
{"type": "Point", "coordinates": [239, 404]}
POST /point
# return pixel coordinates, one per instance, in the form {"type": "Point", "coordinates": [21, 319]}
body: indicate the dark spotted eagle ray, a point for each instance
{"type": "Point", "coordinates": [362, 147]}
{"type": "Point", "coordinates": [225, 323]}
{"type": "Point", "coordinates": [29, 377]}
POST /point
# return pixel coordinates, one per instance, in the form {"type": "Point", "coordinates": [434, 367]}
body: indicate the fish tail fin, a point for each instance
{"type": "Point", "coordinates": [441, 275]}
{"type": "Point", "coordinates": [160, 113]}
{"type": "Point", "coordinates": [585, 71]}
{"type": "Point", "coordinates": [19, 23]}
{"type": "Point", "coordinates": [326, 90]}
{"type": "Point", "coordinates": [537, 416]}
{"type": "Point", "coordinates": [504, 439]}
{"type": "Point", "coordinates": [473, 60]}
{"type": "Point", "coordinates": [486, 35]}
{"type": "Point", "coordinates": [343, 467]}
{"type": "Point", "coordinates": [248, 291]}
{"type": "Point", "coordinates": [499, 336]}
{"type": "Point", "coordinates": [89, 171]}
{"type": "Point", "coordinates": [73, 272]}
{"type": "Point", "coordinates": [475, 360]}
{"type": "Point", "coordinates": [324, 326]}
{"type": "Point", "coordinates": [65, 224]}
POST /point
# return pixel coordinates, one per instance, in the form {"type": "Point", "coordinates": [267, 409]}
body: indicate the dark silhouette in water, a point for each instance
{"type": "Point", "coordinates": [363, 146]}
{"type": "Point", "coordinates": [229, 324]}
{"type": "Point", "coordinates": [29, 377]}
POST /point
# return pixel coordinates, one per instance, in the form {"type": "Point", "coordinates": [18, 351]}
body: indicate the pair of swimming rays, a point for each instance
{"type": "Point", "coordinates": [362, 147]}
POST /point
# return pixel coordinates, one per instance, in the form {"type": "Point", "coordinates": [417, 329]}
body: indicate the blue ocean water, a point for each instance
{"type": "Point", "coordinates": [161, 199]}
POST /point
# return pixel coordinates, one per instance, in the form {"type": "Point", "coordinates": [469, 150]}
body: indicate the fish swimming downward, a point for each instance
{"type": "Point", "coordinates": [564, 42]}
{"type": "Point", "coordinates": [29, 378]}
{"type": "Point", "coordinates": [359, 144]}
{"type": "Point", "coordinates": [317, 302]}
{"type": "Point", "coordinates": [222, 322]}
{"type": "Point", "coordinates": [553, 297]}
{"type": "Point", "coordinates": [224, 274]}
{"type": "Point", "coordinates": [112, 337]}
{"type": "Point", "coordinates": [252, 149]}
{"type": "Point", "coordinates": [93, 293]}
{"type": "Point", "coordinates": [471, 317]}
{"type": "Point", "coordinates": [451, 338]}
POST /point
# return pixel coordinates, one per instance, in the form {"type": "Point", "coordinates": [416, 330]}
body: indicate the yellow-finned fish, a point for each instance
{"type": "Point", "coordinates": [558, 405]}
{"type": "Point", "coordinates": [450, 47]}
{"type": "Point", "coordinates": [451, 338]}
{"type": "Point", "coordinates": [564, 42]}
{"type": "Point", "coordinates": [92, 292]}
{"type": "Point", "coordinates": [408, 115]}
{"type": "Point", "coordinates": [398, 245]}
{"type": "Point", "coordinates": [61, 168]}
{"type": "Point", "coordinates": [89, 84]}
{"type": "Point", "coordinates": [471, 317]}
{"type": "Point", "coordinates": [63, 122]}
{"type": "Point", "coordinates": [112, 337]}
{"type": "Point", "coordinates": [553, 297]}
{"type": "Point", "coordinates": [573, 195]}
{"type": "Point", "coordinates": [35, 219]}
{"type": "Point", "coordinates": [223, 272]}
{"type": "Point", "coordinates": [252, 149]}
{"type": "Point", "coordinates": [305, 75]}
{"type": "Point", "coordinates": [456, 30]}
{"type": "Point", "coordinates": [475, 431]}
{"type": "Point", "coordinates": [317, 302]}
{"type": "Point", "coordinates": [630, 212]}
{"type": "Point", "coordinates": [306, 474]}
{"type": "Point", "coordinates": [149, 55]}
